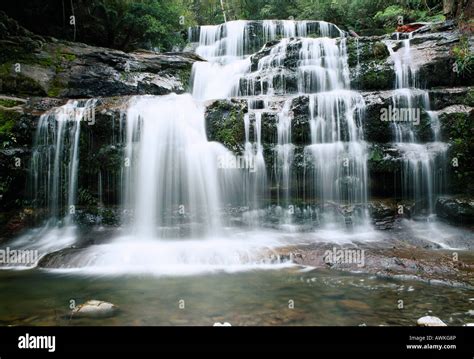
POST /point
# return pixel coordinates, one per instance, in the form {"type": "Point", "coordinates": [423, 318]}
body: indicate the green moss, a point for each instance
{"type": "Point", "coordinates": [225, 124]}
{"type": "Point", "coordinates": [54, 90]}
{"type": "Point", "coordinates": [8, 119]}
{"type": "Point", "coordinates": [6, 122]}
{"type": "Point", "coordinates": [457, 129]}
{"type": "Point", "coordinates": [20, 85]}
{"type": "Point", "coordinates": [9, 102]}
{"type": "Point", "coordinates": [372, 77]}
{"type": "Point", "coordinates": [380, 51]}
{"type": "Point", "coordinates": [185, 77]}
{"type": "Point", "coordinates": [470, 98]}
{"type": "Point", "coordinates": [68, 57]}
{"type": "Point", "coordinates": [6, 69]}
{"type": "Point", "coordinates": [124, 76]}
{"type": "Point", "coordinates": [376, 155]}
{"type": "Point", "coordinates": [45, 61]}
{"type": "Point", "coordinates": [226, 136]}
{"type": "Point", "coordinates": [55, 87]}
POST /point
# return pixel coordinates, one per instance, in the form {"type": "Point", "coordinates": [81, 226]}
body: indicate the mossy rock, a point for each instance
{"type": "Point", "coordinates": [457, 130]}
{"type": "Point", "coordinates": [225, 123]}
{"type": "Point", "coordinates": [9, 102]}
{"type": "Point", "coordinates": [15, 83]}
{"type": "Point", "coordinates": [8, 121]}
{"type": "Point", "coordinates": [372, 76]}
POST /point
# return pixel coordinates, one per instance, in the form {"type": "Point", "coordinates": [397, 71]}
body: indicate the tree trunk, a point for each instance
{"type": "Point", "coordinates": [449, 7]}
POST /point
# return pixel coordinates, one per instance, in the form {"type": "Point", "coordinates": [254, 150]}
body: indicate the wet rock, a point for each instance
{"type": "Point", "coordinates": [404, 260]}
{"type": "Point", "coordinates": [445, 97]}
{"type": "Point", "coordinates": [368, 64]}
{"type": "Point", "coordinates": [430, 321]}
{"type": "Point", "coordinates": [431, 54]}
{"type": "Point", "coordinates": [58, 68]}
{"type": "Point", "coordinates": [225, 123]}
{"type": "Point", "coordinates": [383, 213]}
{"type": "Point", "coordinates": [456, 129]}
{"type": "Point", "coordinates": [64, 258]}
{"type": "Point", "coordinates": [456, 210]}
{"type": "Point", "coordinates": [94, 309]}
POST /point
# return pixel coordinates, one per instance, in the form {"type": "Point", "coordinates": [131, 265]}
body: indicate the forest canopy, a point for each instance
{"type": "Point", "coordinates": [162, 24]}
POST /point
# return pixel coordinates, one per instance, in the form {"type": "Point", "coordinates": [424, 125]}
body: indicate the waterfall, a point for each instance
{"type": "Point", "coordinates": [423, 169]}
{"type": "Point", "coordinates": [55, 158]}
{"type": "Point", "coordinates": [322, 65]}
{"type": "Point", "coordinates": [180, 189]}
{"type": "Point", "coordinates": [173, 174]}
{"type": "Point", "coordinates": [255, 181]}
{"type": "Point", "coordinates": [337, 154]}
{"type": "Point", "coordinates": [227, 48]}
{"type": "Point", "coordinates": [53, 179]}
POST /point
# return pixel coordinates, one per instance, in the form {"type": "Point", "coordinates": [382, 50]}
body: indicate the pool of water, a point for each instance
{"type": "Point", "coordinates": [285, 296]}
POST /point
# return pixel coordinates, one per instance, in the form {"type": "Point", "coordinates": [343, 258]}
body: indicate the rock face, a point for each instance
{"type": "Point", "coordinates": [32, 65]}
{"type": "Point", "coordinates": [370, 68]}
{"type": "Point", "coordinates": [456, 210]}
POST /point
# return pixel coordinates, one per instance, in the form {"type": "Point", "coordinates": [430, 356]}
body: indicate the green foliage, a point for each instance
{"type": "Point", "coordinates": [463, 56]}
{"type": "Point", "coordinates": [458, 128]}
{"type": "Point", "coordinates": [359, 15]}
{"type": "Point", "coordinates": [154, 23]}
{"type": "Point", "coordinates": [389, 16]}
{"type": "Point", "coordinates": [162, 24]}
{"type": "Point", "coordinates": [121, 24]}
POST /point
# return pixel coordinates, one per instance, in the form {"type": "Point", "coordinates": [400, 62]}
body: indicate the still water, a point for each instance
{"type": "Point", "coordinates": [287, 296]}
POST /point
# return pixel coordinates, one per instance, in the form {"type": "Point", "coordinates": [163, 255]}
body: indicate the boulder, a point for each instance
{"type": "Point", "coordinates": [430, 321]}
{"type": "Point", "coordinates": [94, 309]}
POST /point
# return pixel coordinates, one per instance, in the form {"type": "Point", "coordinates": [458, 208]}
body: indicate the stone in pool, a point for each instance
{"type": "Point", "coordinates": [429, 321]}
{"type": "Point", "coordinates": [95, 309]}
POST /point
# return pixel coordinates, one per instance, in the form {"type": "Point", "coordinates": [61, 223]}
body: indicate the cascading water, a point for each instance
{"type": "Point", "coordinates": [54, 174]}
{"type": "Point", "coordinates": [175, 193]}
{"type": "Point", "coordinates": [423, 169]}
{"type": "Point", "coordinates": [55, 158]}
{"type": "Point", "coordinates": [172, 173]}
{"type": "Point", "coordinates": [338, 152]}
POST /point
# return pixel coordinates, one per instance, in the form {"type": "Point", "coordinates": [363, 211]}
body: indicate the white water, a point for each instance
{"type": "Point", "coordinates": [55, 157]}
{"type": "Point", "coordinates": [54, 165]}
{"type": "Point", "coordinates": [424, 163]}
{"type": "Point", "coordinates": [172, 174]}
